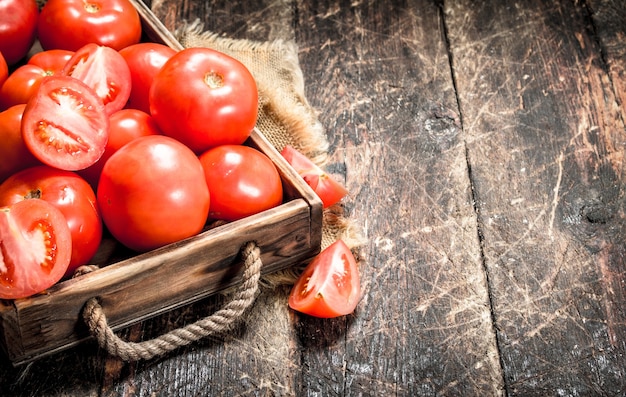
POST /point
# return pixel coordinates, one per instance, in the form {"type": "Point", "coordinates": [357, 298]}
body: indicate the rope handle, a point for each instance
{"type": "Point", "coordinates": [219, 321]}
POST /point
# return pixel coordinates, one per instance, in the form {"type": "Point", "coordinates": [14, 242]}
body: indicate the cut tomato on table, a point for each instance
{"type": "Point", "coordinates": [330, 284]}
{"type": "Point", "coordinates": [64, 124]}
{"type": "Point", "coordinates": [328, 189]}
{"type": "Point", "coordinates": [35, 248]}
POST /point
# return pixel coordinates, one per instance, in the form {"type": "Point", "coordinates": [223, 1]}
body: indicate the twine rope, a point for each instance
{"type": "Point", "coordinates": [217, 322]}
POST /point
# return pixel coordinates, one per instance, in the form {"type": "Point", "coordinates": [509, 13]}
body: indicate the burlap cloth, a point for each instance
{"type": "Point", "coordinates": [285, 116]}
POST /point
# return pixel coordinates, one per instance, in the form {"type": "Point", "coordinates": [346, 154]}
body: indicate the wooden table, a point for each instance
{"type": "Point", "coordinates": [484, 145]}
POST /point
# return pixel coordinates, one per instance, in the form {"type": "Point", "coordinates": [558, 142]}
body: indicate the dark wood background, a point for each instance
{"type": "Point", "coordinates": [484, 145]}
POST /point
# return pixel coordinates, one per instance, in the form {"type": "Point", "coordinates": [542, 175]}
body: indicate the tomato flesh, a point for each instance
{"type": "Point", "coordinates": [328, 189]}
{"type": "Point", "coordinates": [35, 248]}
{"type": "Point", "coordinates": [330, 285]}
{"type": "Point", "coordinates": [65, 125]}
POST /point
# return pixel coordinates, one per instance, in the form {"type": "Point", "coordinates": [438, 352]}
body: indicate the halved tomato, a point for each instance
{"type": "Point", "coordinates": [330, 285]}
{"type": "Point", "coordinates": [65, 125]}
{"type": "Point", "coordinates": [328, 189]}
{"type": "Point", "coordinates": [35, 248]}
{"type": "Point", "coordinates": [105, 71]}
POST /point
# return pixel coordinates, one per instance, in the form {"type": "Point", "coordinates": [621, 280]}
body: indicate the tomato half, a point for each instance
{"type": "Point", "coordinates": [152, 193]}
{"type": "Point", "coordinates": [330, 285]}
{"type": "Point", "coordinates": [328, 189]}
{"type": "Point", "coordinates": [13, 151]}
{"type": "Point", "coordinates": [65, 125]}
{"type": "Point", "coordinates": [35, 248]}
{"type": "Point", "coordinates": [69, 193]}
{"type": "Point", "coordinates": [218, 105]}
{"type": "Point", "coordinates": [105, 71]}
{"type": "Point", "coordinates": [71, 24]}
{"type": "Point", "coordinates": [18, 28]}
{"type": "Point", "coordinates": [144, 60]}
{"type": "Point", "coordinates": [125, 126]}
{"type": "Point", "coordinates": [242, 181]}
{"type": "Point", "coordinates": [51, 61]}
{"type": "Point", "coordinates": [21, 85]}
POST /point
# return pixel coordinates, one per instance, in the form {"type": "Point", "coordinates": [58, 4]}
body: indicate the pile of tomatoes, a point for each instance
{"type": "Point", "coordinates": [102, 132]}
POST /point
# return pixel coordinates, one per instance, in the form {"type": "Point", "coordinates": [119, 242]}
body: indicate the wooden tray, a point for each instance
{"type": "Point", "coordinates": [143, 286]}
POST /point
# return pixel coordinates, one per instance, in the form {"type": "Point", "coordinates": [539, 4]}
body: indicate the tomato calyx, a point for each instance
{"type": "Point", "coordinates": [214, 80]}
{"type": "Point", "coordinates": [92, 8]}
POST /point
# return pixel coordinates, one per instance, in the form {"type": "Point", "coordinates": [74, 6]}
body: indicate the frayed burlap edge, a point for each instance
{"type": "Point", "coordinates": [285, 118]}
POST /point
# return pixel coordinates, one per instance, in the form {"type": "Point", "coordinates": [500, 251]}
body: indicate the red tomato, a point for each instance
{"type": "Point", "coordinates": [242, 182]}
{"type": "Point", "coordinates": [51, 61]}
{"type": "Point", "coordinates": [125, 126]}
{"type": "Point", "coordinates": [329, 286]}
{"type": "Point", "coordinates": [71, 24]}
{"type": "Point", "coordinates": [4, 70]}
{"type": "Point", "coordinates": [152, 193]}
{"type": "Point", "coordinates": [217, 106]}
{"type": "Point", "coordinates": [13, 151]}
{"type": "Point", "coordinates": [69, 193]}
{"type": "Point", "coordinates": [145, 61]}
{"type": "Point", "coordinates": [36, 247]}
{"type": "Point", "coordinates": [18, 28]}
{"type": "Point", "coordinates": [65, 124]}
{"type": "Point", "coordinates": [105, 71]}
{"type": "Point", "coordinates": [329, 190]}
{"type": "Point", "coordinates": [21, 85]}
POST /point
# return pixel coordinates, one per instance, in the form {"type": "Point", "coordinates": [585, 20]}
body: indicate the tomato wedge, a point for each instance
{"type": "Point", "coordinates": [328, 189]}
{"type": "Point", "coordinates": [105, 71]}
{"type": "Point", "coordinates": [35, 248]}
{"type": "Point", "coordinates": [330, 285]}
{"type": "Point", "coordinates": [65, 125]}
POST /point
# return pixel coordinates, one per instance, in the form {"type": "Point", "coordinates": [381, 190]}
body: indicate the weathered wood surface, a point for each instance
{"type": "Point", "coordinates": [483, 143]}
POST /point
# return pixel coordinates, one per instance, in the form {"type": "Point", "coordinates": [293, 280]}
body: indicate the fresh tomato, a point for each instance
{"type": "Point", "coordinates": [51, 61]}
{"type": "Point", "coordinates": [105, 71]}
{"type": "Point", "coordinates": [145, 60]}
{"type": "Point", "coordinates": [242, 182]}
{"type": "Point", "coordinates": [71, 24]}
{"type": "Point", "coordinates": [65, 125]}
{"type": "Point", "coordinates": [152, 193]}
{"type": "Point", "coordinates": [328, 189]}
{"type": "Point", "coordinates": [21, 85]}
{"type": "Point", "coordinates": [4, 70]}
{"type": "Point", "coordinates": [329, 286]}
{"type": "Point", "coordinates": [125, 126]}
{"type": "Point", "coordinates": [18, 28]}
{"type": "Point", "coordinates": [13, 151]}
{"type": "Point", "coordinates": [69, 193]}
{"type": "Point", "coordinates": [217, 106]}
{"type": "Point", "coordinates": [36, 247]}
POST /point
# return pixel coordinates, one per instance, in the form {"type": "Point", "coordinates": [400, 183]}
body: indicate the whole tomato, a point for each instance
{"type": "Point", "coordinates": [51, 61]}
{"type": "Point", "coordinates": [18, 28]}
{"type": "Point", "coordinates": [4, 69]}
{"type": "Point", "coordinates": [21, 85]}
{"type": "Point", "coordinates": [217, 106]}
{"type": "Point", "coordinates": [242, 182]}
{"type": "Point", "coordinates": [71, 24]}
{"type": "Point", "coordinates": [68, 192]}
{"type": "Point", "coordinates": [152, 193]}
{"type": "Point", "coordinates": [13, 151]}
{"type": "Point", "coordinates": [145, 60]}
{"type": "Point", "coordinates": [124, 126]}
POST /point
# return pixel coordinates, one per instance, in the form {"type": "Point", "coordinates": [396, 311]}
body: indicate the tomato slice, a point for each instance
{"type": "Point", "coordinates": [328, 189]}
{"type": "Point", "coordinates": [329, 286]}
{"type": "Point", "coordinates": [65, 125]}
{"type": "Point", "coordinates": [104, 70]}
{"type": "Point", "coordinates": [35, 248]}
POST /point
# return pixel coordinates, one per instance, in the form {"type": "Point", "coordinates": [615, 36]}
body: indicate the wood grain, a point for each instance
{"type": "Point", "coordinates": [544, 137]}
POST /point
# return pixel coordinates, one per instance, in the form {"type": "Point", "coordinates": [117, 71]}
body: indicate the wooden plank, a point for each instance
{"type": "Point", "coordinates": [545, 145]}
{"type": "Point", "coordinates": [380, 76]}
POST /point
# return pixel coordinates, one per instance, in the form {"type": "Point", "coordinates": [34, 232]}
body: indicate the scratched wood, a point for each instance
{"type": "Point", "coordinates": [483, 144]}
{"type": "Point", "coordinates": [545, 139]}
